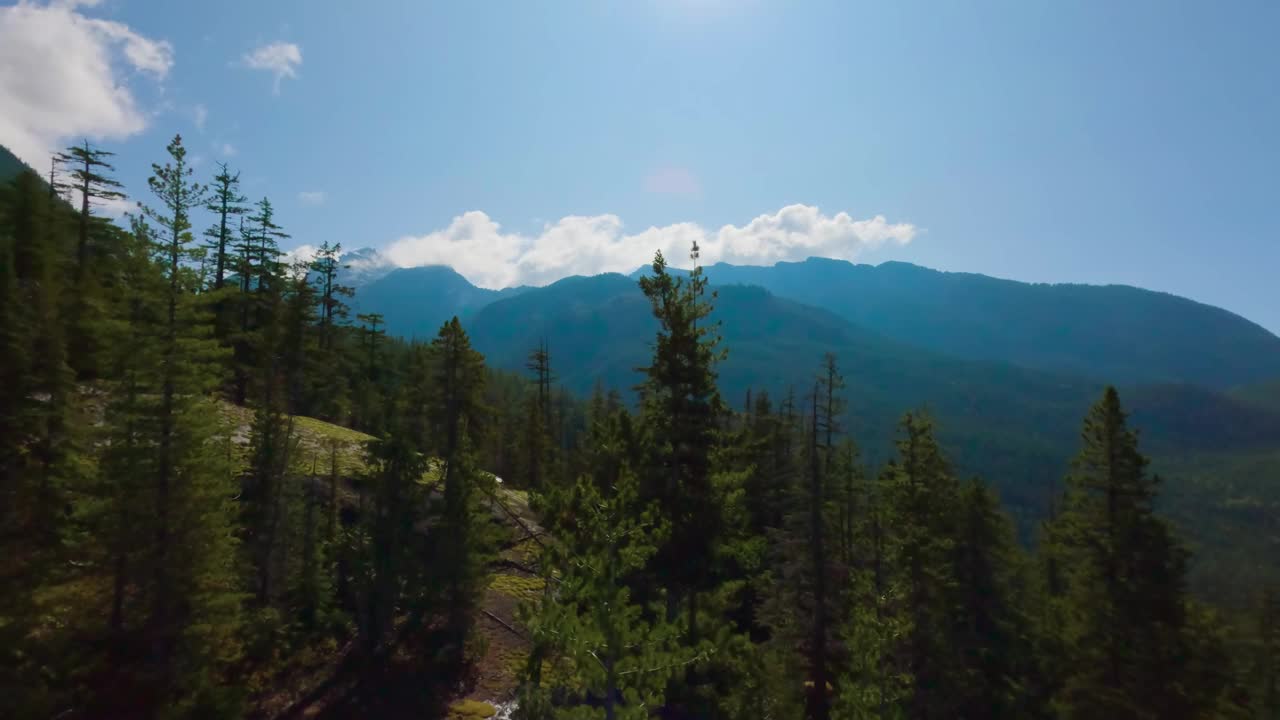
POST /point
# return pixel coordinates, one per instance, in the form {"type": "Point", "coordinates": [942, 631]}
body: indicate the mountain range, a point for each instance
{"type": "Point", "coordinates": [1006, 368]}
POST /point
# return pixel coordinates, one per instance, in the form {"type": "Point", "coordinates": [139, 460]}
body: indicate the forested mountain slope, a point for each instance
{"type": "Point", "coordinates": [10, 165]}
{"type": "Point", "coordinates": [1115, 333]}
{"type": "Point", "coordinates": [415, 301]}
{"type": "Point", "coordinates": [1013, 425]}
{"type": "Point", "coordinates": [1121, 333]}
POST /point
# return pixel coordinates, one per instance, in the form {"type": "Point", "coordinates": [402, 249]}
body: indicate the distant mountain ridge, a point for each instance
{"type": "Point", "coordinates": [415, 301]}
{"type": "Point", "coordinates": [1116, 333]}
{"type": "Point", "coordinates": [1121, 333]}
{"type": "Point", "coordinates": [1015, 426]}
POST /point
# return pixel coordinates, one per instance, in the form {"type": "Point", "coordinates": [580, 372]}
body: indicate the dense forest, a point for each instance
{"type": "Point", "coordinates": [227, 494]}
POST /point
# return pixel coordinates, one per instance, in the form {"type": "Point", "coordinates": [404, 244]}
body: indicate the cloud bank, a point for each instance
{"type": "Point", "coordinates": [477, 247]}
{"type": "Point", "coordinates": [63, 76]}
{"type": "Point", "coordinates": [281, 59]}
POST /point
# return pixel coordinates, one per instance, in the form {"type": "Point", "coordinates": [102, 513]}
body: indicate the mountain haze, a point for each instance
{"type": "Point", "coordinates": [1121, 333]}
{"type": "Point", "coordinates": [1114, 333]}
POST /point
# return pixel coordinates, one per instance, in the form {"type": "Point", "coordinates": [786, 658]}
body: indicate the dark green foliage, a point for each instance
{"type": "Point", "coordinates": [680, 410]}
{"type": "Point", "coordinates": [86, 167]}
{"type": "Point", "coordinates": [614, 654]}
{"type": "Point", "coordinates": [1124, 619]}
{"type": "Point", "coordinates": [455, 422]}
{"type": "Point", "coordinates": [922, 497]}
{"type": "Point", "coordinates": [227, 204]}
{"type": "Point", "coordinates": [160, 561]}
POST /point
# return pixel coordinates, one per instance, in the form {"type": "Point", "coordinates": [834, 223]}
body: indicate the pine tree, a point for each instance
{"type": "Point", "coordinates": [326, 265]}
{"type": "Point", "coordinates": [332, 400]}
{"type": "Point", "coordinates": [681, 409]}
{"type": "Point", "coordinates": [42, 449]}
{"type": "Point", "coordinates": [922, 497]}
{"type": "Point", "coordinates": [191, 628]}
{"type": "Point", "coordinates": [1124, 575]}
{"type": "Point", "coordinates": [616, 659]}
{"type": "Point", "coordinates": [456, 421]}
{"type": "Point", "coordinates": [991, 623]}
{"type": "Point", "coordinates": [89, 179]}
{"type": "Point", "coordinates": [369, 391]}
{"type": "Point", "coordinates": [806, 602]}
{"type": "Point", "coordinates": [227, 203]}
{"type": "Point", "coordinates": [876, 682]}
{"type": "Point", "coordinates": [538, 451]}
{"type": "Point", "coordinates": [388, 571]}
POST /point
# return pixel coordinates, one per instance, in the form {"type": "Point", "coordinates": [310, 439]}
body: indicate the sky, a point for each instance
{"type": "Point", "coordinates": [1091, 141]}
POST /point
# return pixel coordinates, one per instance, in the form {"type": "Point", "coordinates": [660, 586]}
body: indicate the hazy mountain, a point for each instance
{"type": "Point", "coordinates": [1120, 333]}
{"type": "Point", "coordinates": [415, 301]}
{"type": "Point", "coordinates": [1016, 426]}
{"type": "Point", "coordinates": [364, 266]}
{"type": "Point", "coordinates": [10, 165]}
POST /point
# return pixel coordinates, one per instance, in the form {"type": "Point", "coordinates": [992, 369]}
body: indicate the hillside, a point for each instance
{"type": "Point", "coordinates": [1015, 426]}
{"type": "Point", "coordinates": [1121, 333]}
{"type": "Point", "coordinates": [415, 301]}
{"type": "Point", "coordinates": [10, 165]}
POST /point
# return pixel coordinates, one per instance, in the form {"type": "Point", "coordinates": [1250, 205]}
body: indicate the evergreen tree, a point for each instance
{"type": "Point", "coordinates": [456, 420]}
{"type": "Point", "coordinates": [332, 400]}
{"type": "Point", "coordinates": [88, 177]}
{"type": "Point", "coordinates": [390, 563]}
{"type": "Point", "coordinates": [191, 628]}
{"type": "Point", "coordinates": [991, 624]}
{"type": "Point", "coordinates": [88, 166]}
{"type": "Point", "coordinates": [1124, 575]}
{"type": "Point", "coordinates": [614, 660]}
{"type": "Point", "coordinates": [681, 409]}
{"type": "Point", "coordinates": [227, 203]}
{"type": "Point", "coordinates": [42, 456]}
{"type": "Point", "coordinates": [326, 265]}
{"type": "Point", "coordinates": [537, 427]}
{"type": "Point", "coordinates": [922, 497]}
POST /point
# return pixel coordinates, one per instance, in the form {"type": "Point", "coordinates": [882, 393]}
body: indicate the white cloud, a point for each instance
{"type": "Point", "coordinates": [63, 76]}
{"type": "Point", "coordinates": [281, 59]}
{"type": "Point", "coordinates": [312, 197]}
{"type": "Point", "coordinates": [475, 245]}
{"type": "Point", "coordinates": [114, 208]}
{"type": "Point", "coordinates": [201, 115]}
{"type": "Point", "coordinates": [673, 181]}
{"type": "Point", "coordinates": [227, 150]}
{"type": "Point", "coordinates": [302, 253]}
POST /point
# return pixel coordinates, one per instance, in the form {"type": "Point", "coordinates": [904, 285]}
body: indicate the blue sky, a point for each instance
{"type": "Point", "coordinates": [1132, 142]}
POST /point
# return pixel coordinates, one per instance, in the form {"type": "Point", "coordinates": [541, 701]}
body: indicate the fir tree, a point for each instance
{"type": "Point", "coordinates": [922, 497]}
{"type": "Point", "coordinates": [194, 607]}
{"type": "Point", "coordinates": [88, 176]}
{"type": "Point", "coordinates": [1124, 574]}
{"type": "Point", "coordinates": [991, 624]}
{"type": "Point", "coordinates": [617, 659]}
{"type": "Point", "coordinates": [89, 168]}
{"type": "Point", "coordinates": [456, 421]}
{"type": "Point", "coordinates": [681, 408]}
{"type": "Point", "coordinates": [227, 203]}
{"type": "Point", "coordinates": [42, 453]}
{"type": "Point", "coordinates": [537, 426]}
